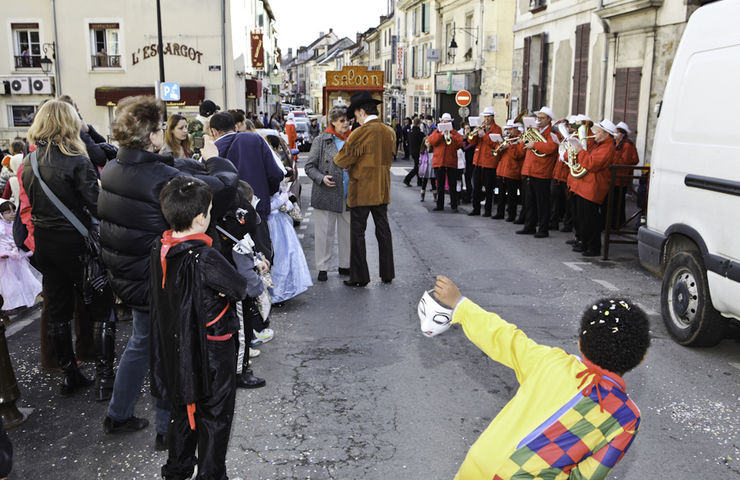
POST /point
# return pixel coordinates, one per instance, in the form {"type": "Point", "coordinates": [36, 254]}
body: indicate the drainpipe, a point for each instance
{"type": "Point", "coordinates": [58, 86]}
{"type": "Point", "coordinates": [223, 50]}
{"type": "Point", "coordinates": [604, 62]}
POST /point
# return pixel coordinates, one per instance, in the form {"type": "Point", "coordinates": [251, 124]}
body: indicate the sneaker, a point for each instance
{"type": "Point", "coordinates": [253, 352]}
{"type": "Point", "coordinates": [262, 337]}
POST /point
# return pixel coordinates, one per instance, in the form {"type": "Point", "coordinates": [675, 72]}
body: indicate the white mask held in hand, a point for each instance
{"type": "Point", "coordinates": [434, 317]}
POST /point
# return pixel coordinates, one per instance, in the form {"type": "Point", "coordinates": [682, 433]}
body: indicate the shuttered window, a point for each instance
{"type": "Point", "coordinates": [534, 72]}
{"type": "Point", "coordinates": [525, 72]}
{"type": "Point", "coordinates": [627, 96]}
{"type": "Point", "coordinates": [580, 69]}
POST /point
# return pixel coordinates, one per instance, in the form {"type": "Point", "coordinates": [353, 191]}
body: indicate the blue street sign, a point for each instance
{"type": "Point", "coordinates": [171, 92]}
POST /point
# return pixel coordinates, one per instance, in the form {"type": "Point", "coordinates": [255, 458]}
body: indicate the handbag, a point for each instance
{"type": "Point", "coordinates": [94, 276]}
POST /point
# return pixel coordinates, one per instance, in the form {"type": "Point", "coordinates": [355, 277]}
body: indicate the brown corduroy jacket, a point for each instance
{"type": "Point", "coordinates": [367, 157]}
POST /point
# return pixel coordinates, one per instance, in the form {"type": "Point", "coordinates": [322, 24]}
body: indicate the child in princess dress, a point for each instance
{"type": "Point", "coordinates": [20, 283]}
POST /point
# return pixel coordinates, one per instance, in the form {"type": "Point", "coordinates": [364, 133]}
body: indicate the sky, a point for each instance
{"type": "Point", "coordinates": [299, 22]}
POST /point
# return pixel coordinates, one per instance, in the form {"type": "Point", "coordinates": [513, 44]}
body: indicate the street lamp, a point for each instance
{"type": "Point", "coordinates": [46, 62]}
{"type": "Point", "coordinates": [275, 69]}
{"type": "Point", "coordinates": [452, 49]}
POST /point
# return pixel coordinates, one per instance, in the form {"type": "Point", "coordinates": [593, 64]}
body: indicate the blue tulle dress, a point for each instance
{"type": "Point", "coordinates": [290, 273]}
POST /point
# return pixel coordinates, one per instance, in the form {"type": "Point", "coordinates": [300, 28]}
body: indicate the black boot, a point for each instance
{"type": "Point", "coordinates": [104, 336]}
{"type": "Point", "coordinates": [61, 336]}
{"type": "Point", "coordinates": [248, 380]}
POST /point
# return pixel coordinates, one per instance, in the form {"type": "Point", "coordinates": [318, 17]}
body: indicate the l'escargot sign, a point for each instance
{"type": "Point", "coordinates": [177, 49]}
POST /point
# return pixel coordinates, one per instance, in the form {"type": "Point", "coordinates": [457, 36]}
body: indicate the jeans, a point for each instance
{"type": "Point", "coordinates": [132, 370]}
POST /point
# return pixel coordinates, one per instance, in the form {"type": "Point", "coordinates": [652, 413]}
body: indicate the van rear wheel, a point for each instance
{"type": "Point", "coordinates": [686, 304]}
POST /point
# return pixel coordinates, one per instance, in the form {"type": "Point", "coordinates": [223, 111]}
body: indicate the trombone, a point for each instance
{"type": "Point", "coordinates": [507, 141]}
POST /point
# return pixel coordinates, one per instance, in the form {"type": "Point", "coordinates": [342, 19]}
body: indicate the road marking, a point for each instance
{"type": "Point", "coordinates": [736, 365]}
{"type": "Point", "coordinates": [307, 214]}
{"type": "Point", "coordinates": [605, 284]}
{"type": "Point", "coordinates": [647, 310]}
{"type": "Point", "coordinates": [301, 172]}
{"type": "Point", "coordinates": [310, 208]}
{"type": "Point", "coordinates": [303, 227]}
{"type": "Point", "coordinates": [17, 327]}
{"type": "Point", "coordinates": [300, 235]}
{"type": "Point", "coordinates": [574, 265]}
{"type": "Point", "coordinates": [400, 171]}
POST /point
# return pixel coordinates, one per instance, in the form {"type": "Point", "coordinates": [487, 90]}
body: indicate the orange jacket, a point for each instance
{"type": "Point", "coordinates": [445, 155]}
{"type": "Point", "coordinates": [484, 147]}
{"type": "Point", "coordinates": [292, 136]}
{"type": "Point", "coordinates": [594, 186]}
{"type": "Point", "coordinates": [541, 167]}
{"type": "Point", "coordinates": [590, 145]}
{"type": "Point", "coordinates": [510, 165]}
{"type": "Point", "coordinates": [626, 155]}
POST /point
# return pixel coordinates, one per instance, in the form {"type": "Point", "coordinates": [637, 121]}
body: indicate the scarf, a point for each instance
{"type": "Point", "coordinates": [330, 130]}
{"type": "Point", "coordinates": [168, 241]}
{"type": "Point", "coordinates": [600, 378]}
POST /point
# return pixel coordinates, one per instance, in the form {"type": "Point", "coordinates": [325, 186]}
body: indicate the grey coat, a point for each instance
{"type": "Point", "coordinates": [321, 162]}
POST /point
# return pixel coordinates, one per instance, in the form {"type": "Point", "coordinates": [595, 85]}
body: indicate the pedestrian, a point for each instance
{"type": "Point", "coordinates": [445, 145]}
{"type": "Point", "coordinates": [399, 133]}
{"type": "Point", "coordinates": [626, 155]}
{"type": "Point", "coordinates": [290, 131]}
{"type": "Point", "coordinates": [406, 129]}
{"type": "Point", "coordinates": [572, 416]}
{"type": "Point", "coordinates": [99, 151]}
{"type": "Point", "coordinates": [20, 283]}
{"type": "Point", "coordinates": [240, 120]}
{"type": "Point", "coordinates": [15, 160]}
{"type": "Point", "coordinates": [329, 194]}
{"type": "Point", "coordinates": [314, 129]}
{"type": "Point", "coordinates": [131, 222]}
{"type": "Point", "coordinates": [265, 121]}
{"type": "Point", "coordinates": [414, 142]}
{"type": "Point", "coordinates": [485, 162]}
{"type": "Point", "coordinates": [194, 294]}
{"type": "Point", "coordinates": [426, 171]}
{"type": "Point", "coordinates": [176, 139]}
{"type": "Point", "coordinates": [197, 126]}
{"type": "Point", "coordinates": [58, 175]}
{"type": "Point", "coordinates": [539, 163]}
{"type": "Point", "coordinates": [367, 156]}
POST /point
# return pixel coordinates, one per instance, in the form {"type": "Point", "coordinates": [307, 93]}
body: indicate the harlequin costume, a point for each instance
{"type": "Point", "coordinates": [193, 360]}
{"type": "Point", "coordinates": [570, 419]}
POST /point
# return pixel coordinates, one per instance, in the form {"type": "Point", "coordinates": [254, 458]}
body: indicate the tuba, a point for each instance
{"type": "Point", "coordinates": [532, 135]}
{"type": "Point", "coordinates": [569, 153]}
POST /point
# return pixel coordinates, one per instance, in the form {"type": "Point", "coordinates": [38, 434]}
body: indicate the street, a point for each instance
{"type": "Point", "coordinates": [354, 391]}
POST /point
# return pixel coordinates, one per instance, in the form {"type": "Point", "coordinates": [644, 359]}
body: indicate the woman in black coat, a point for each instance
{"type": "Point", "coordinates": [416, 139]}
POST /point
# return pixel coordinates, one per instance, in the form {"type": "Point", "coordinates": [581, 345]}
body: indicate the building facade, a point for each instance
{"type": "Point", "coordinates": [99, 58]}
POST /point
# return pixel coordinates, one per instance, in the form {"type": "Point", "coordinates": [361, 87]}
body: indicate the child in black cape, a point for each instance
{"type": "Point", "coordinates": [194, 333]}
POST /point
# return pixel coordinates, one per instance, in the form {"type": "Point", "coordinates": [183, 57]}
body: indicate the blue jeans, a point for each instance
{"type": "Point", "coordinates": [132, 370]}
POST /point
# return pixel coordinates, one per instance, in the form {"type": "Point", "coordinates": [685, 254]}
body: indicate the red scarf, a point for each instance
{"type": "Point", "coordinates": [331, 130]}
{"type": "Point", "coordinates": [598, 379]}
{"type": "Point", "coordinates": [168, 241]}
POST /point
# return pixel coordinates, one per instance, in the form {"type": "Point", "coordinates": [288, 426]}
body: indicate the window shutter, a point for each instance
{"type": "Point", "coordinates": [580, 68]}
{"type": "Point", "coordinates": [543, 72]}
{"type": "Point", "coordinates": [525, 72]}
{"type": "Point", "coordinates": [627, 96]}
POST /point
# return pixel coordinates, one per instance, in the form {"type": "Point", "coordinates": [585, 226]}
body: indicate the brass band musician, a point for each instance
{"type": "Point", "coordinates": [509, 170]}
{"type": "Point", "coordinates": [484, 161]}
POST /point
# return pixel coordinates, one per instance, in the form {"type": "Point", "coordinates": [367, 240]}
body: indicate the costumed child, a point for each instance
{"type": "Point", "coordinates": [290, 273]}
{"type": "Point", "coordinates": [194, 290]}
{"type": "Point", "coordinates": [571, 417]}
{"type": "Point", "coordinates": [239, 244]}
{"type": "Point", "coordinates": [20, 283]}
{"type": "Point", "coordinates": [426, 170]}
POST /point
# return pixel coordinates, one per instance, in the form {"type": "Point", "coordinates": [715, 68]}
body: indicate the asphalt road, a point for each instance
{"type": "Point", "coordinates": [354, 391]}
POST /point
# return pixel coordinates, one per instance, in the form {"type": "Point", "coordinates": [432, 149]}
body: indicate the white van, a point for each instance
{"type": "Point", "coordinates": [692, 234]}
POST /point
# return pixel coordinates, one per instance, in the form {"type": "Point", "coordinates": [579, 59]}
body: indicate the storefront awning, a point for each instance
{"type": "Point", "coordinates": [253, 88]}
{"type": "Point", "coordinates": [110, 96]}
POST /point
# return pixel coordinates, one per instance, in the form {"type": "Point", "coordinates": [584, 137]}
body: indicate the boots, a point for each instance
{"type": "Point", "coordinates": [423, 192]}
{"type": "Point", "coordinates": [434, 192]}
{"type": "Point", "coordinates": [61, 337]}
{"type": "Point", "coordinates": [248, 380]}
{"type": "Point", "coordinates": [104, 336]}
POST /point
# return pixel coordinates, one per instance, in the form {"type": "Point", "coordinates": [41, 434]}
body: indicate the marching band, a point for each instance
{"type": "Point", "coordinates": [558, 172]}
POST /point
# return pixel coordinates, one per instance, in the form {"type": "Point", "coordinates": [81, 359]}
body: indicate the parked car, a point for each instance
{"type": "Point", "coordinates": [691, 234]}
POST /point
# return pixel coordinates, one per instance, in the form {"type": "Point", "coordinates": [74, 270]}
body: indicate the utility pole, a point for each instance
{"type": "Point", "coordinates": [160, 50]}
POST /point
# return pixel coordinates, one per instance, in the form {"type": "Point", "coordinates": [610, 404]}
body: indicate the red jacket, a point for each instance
{"type": "Point", "coordinates": [484, 147]}
{"type": "Point", "coordinates": [541, 167]}
{"type": "Point", "coordinates": [510, 165]}
{"type": "Point", "coordinates": [594, 186]}
{"type": "Point", "coordinates": [590, 145]}
{"type": "Point", "coordinates": [445, 155]}
{"type": "Point", "coordinates": [626, 155]}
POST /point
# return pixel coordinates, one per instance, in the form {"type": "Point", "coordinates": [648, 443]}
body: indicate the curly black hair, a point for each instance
{"type": "Point", "coordinates": [614, 334]}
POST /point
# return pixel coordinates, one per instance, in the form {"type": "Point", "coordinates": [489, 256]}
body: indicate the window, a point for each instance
{"type": "Point", "coordinates": [388, 71]}
{"type": "Point", "coordinates": [425, 17]}
{"type": "Point", "coordinates": [627, 96]}
{"type": "Point", "coordinates": [468, 36]}
{"type": "Point", "coordinates": [27, 47]}
{"type": "Point", "coordinates": [105, 45]}
{"type": "Point", "coordinates": [413, 61]}
{"type": "Point", "coordinates": [22, 115]}
{"type": "Point", "coordinates": [377, 48]}
{"type": "Point", "coordinates": [580, 69]}
{"type": "Point", "coordinates": [427, 63]}
{"type": "Point", "coordinates": [537, 5]}
{"type": "Point", "coordinates": [449, 35]}
{"type": "Point", "coordinates": [534, 72]}
{"type": "Point", "coordinates": [414, 22]}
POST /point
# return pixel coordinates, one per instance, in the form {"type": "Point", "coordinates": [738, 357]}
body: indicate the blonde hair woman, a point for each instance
{"type": "Point", "coordinates": [65, 168]}
{"type": "Point", "coordinates": [176, 138]}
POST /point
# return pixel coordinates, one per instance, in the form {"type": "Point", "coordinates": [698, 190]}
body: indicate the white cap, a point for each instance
{"type": "Point", "coordinates": [573, 119]}
{"type": "Point", "coordinates": [584, 118]}
{"type": "Point", "coordinates": [624, 127]}
{"type": "Point", "coordinates": [512, 124]}
{"type": "Point", "coordinates": [547, 111]}
{"type": "Point", "coordinates": [434, 318]}
{"type": "Point", "coordinates": [608, 127]}
{"type": "Point", "coordinates": [446, 116]}
{"type": "Point", "coordinates": [488, 111]}
{"type": "Point", "coordinates": [291, 116]}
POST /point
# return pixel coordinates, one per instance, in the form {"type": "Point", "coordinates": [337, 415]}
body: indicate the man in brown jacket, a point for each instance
{"type": "Point", "coordinates": [367, 157]}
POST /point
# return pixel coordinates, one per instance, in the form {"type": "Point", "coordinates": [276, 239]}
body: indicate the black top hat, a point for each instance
{"type": "Point", "coordinates": [359, 99]}
{"type": "Point", "coordinates": [208, 108]}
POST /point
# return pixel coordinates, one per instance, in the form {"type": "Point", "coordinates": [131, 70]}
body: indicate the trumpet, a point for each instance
{"type": "Point", "coordinates": [448, 137]}
{"type": "Point", "coordinates": [507, 141]}
{"type": "Point", "coordinates": [474, 132]}
{"type": "Point", "coordinates": [569, 152]}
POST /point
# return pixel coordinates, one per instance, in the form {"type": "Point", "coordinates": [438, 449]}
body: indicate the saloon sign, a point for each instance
{"type": "Point", "coordinates": [176, 49]}
{"type": "Point", "coordinates": [355, 77]}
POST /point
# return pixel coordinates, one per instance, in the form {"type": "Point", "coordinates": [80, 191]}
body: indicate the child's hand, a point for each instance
{"type": "Point", "coordinates": [446, 292]}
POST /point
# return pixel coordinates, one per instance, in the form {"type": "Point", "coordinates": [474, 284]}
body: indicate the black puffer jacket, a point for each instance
{"type": "Point", "coordinates": [130, 216]}
{"type": "Point", "coordinates": [72, 178]}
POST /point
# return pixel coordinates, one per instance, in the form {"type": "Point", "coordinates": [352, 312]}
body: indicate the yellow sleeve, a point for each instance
{"type": "Point", "coordinates": [500, 340]}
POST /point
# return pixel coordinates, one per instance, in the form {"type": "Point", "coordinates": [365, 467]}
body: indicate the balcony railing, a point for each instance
{"type": "Point", "coordinates": [27, 61]}
{"type": "Point", "coordinates": [105, 61]}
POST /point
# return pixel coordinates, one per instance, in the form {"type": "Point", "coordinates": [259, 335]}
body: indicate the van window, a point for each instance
{"type": "Point", "coordinates": [708, 102]}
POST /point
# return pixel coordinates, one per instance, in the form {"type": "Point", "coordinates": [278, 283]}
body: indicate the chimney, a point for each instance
{"type": "Point", "coordinates": [321, 34]}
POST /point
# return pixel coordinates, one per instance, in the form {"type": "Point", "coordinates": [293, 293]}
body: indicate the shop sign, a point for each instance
{"type": "Point", "coordinates": [176, 49]}
{"type": "Point", "coordinates": [258, 51]}
{"type": "Point", "coordinates": [354, 77]}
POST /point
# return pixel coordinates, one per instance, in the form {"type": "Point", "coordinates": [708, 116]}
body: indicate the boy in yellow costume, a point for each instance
{"type": "Point", "coordinates": [571, 417]}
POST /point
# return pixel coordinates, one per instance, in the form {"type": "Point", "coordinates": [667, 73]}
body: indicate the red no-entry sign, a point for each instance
{"type": "Point", "coordinates": [463, 98]}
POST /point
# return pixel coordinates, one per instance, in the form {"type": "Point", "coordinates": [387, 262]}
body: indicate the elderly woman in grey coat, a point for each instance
{"type": "Point", "coordinates": [329, 194]}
